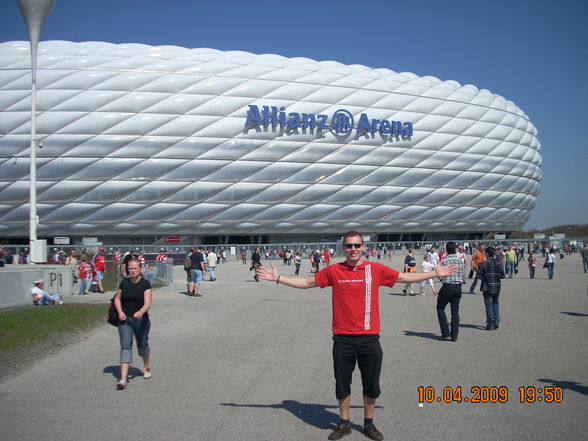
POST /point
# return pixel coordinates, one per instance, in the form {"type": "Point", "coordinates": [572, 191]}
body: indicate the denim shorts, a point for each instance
{"type": "Point", "coordinates": [140, 329]}
{"type": "Point", "coordinates": [197, 276]}
{"type": "Point", "coordinates": [99, 275]}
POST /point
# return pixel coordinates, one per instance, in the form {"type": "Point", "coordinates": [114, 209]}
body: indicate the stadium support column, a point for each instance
{"type": "Point", "coordinates": [34, 13]}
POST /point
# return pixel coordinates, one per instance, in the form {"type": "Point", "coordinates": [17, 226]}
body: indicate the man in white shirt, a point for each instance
{"type": "Point", "coordinates": [42, 297]}
{"type": "Point", "coordinates": [212, 259]}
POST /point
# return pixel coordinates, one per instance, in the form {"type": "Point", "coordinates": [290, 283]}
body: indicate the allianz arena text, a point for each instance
{"type": "Point", "coordinates": [151, 141]}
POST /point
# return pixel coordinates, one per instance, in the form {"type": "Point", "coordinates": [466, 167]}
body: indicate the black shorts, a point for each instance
{"type": "Point", "coordinates": [367, 352]}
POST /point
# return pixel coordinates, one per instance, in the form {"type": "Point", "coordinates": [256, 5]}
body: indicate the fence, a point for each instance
{"type": "Point", "coordinates": [158, 273]}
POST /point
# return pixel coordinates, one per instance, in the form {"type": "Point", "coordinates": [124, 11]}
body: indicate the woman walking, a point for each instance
{"type": "Point", "coordinates": [132, 302]}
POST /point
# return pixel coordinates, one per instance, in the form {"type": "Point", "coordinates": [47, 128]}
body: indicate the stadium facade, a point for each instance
{"type": "Point", "coordinates": [149, 142]}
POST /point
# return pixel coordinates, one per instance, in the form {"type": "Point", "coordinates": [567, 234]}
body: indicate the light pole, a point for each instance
{"type": "Point", "coordinates": [34, 13]}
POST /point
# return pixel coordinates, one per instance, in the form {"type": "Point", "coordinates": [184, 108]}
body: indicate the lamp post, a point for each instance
{"type": "Point", "coordinates": [34, 13]}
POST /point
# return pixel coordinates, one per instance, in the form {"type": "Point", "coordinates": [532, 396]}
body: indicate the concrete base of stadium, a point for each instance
{"type": "Point", "coordinates": [252, 361]}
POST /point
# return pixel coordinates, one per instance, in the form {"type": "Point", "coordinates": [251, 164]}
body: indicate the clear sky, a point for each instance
{"type": "Point", "coordinates": [532, 52]}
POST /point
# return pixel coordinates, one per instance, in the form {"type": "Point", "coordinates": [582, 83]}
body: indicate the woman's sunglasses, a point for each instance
{"type": "Point", "coordinates": [352, 245]}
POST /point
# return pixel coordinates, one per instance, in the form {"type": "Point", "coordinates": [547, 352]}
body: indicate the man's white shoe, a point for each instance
{"type": "Point", "coordinates": [122, 384]}
{"type": "Point", "coordinates": [147, 373]}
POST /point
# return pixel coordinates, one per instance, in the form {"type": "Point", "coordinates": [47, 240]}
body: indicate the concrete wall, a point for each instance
{"type": "Point", "coordinates": [16, 282]}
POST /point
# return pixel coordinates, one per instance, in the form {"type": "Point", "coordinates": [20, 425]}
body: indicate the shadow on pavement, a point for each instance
{"type": "Point", "coordinates": [429, 335]}
{"type": "Point", "coordinates": [575, 314]}
{"type": "Point", "coordinates": [115, 371]}
{"type": "Point", "coordinates": [316, 415]}
{"type": "Point", "coordinates": [572, 385]}
{"type": "Point", "coordinates": [467, 325]}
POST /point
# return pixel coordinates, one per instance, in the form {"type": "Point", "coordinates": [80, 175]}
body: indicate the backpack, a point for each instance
{"type": "Point", "coordinates": [187, 264]}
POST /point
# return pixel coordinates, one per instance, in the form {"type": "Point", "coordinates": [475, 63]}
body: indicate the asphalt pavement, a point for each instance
{"type": "Point", "coordinates": [252, 361]}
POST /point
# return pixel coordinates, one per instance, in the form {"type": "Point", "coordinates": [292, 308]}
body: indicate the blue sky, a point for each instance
{"type": "Point", "coordinates": [532, 52]}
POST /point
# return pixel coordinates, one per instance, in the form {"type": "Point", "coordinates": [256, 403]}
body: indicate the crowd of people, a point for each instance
{"type": "Point", "coordinates": [354, 283]}
{"type": "Point", "coordinates": [198, 262]}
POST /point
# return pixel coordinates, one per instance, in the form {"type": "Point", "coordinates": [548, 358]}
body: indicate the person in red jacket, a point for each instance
{"type": "Point", "coordinates": [99, 262]}
{"type": "Point", "coordinates": [356, 322]}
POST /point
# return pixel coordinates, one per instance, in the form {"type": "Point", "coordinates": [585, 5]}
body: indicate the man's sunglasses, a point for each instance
{"type": "Point", "coordinates": [352, 245]}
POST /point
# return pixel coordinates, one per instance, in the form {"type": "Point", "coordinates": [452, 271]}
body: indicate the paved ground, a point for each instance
{"type": "Point", "coordinates": [251, 361]}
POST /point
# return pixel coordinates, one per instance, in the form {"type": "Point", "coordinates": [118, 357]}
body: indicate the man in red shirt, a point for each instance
{"type": "Point", "coordinates": [356, 323]}
{"type": "Point", "coordinates": [99, 262]}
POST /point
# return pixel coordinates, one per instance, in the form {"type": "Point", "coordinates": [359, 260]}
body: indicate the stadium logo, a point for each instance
{"type": "Point", "coordinates": [341, 123]}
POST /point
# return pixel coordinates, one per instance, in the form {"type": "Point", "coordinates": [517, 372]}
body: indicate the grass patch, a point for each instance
{"type": "Point", "coordinates": [22, 327]}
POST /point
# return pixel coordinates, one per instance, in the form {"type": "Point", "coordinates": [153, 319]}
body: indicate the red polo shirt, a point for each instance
{"type": "Point", "coordinates": [99, 263]}
{"type": "Point", "coordinates": [356, 308]}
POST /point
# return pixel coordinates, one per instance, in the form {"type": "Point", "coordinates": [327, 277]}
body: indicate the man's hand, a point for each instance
{"type": "Point", "coordinates": [266, 273]}
{"type": "Point", "coordinates": [444, 271]}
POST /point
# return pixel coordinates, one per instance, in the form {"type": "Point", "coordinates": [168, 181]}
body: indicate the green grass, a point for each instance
{"type": "Point", "coordinates": [22, 327]}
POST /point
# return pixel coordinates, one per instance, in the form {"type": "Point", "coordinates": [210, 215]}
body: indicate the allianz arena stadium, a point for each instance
{"type": "Point", "coordinates": [143, 141]}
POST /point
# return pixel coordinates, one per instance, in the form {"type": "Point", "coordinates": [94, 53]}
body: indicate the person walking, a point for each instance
{"type": "Point", "coordinates": [197, 270]}
{"type": "Point", "coordinates": [212, 260]}
{"type": "Point", "coordinates": [532, 261]}
{"type": "Point", "coordinates": [132, 302]}
{"type": "Point", "coordinates": [450, 292]}
{"type": "Point", "coordinates": [297, 262]}
{"type": "Point", "coordinates": [409, 267]}
{"type": "Point", "coordinates": [315, 260]}
{"type": "Point", "coordinates": [433, 257]}
{"type": "Point", "coordinates": [511, 260]}
{"type": "Point", "coordinates": [427, 268]}
{"type": "Point", "coordinates": [490, 272]}
{"type": "Point", "coordinates": [549, 262]}
{"type": "Point", "coordinates": [584, 255]}
{"type": "Point", "coordinates": [255, 263]}
{"type": "Point", "coordinates": [99, 264]}
{"type": "Point", "coordinates": [356, 323]}
{"type": "Point", "coordinates": [478, 257]}
{"type": "Point", "coordinates": [327, 257]}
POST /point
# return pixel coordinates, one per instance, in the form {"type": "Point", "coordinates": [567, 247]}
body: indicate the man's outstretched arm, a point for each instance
{"type": "Point", "coordinates": [440, 272]}
{"type": "Point", "coordinates": [295, 282]}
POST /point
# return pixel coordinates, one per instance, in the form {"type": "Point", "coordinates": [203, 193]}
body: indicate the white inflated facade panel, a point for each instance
{"type": "Point", "coordinates": [142, 140]}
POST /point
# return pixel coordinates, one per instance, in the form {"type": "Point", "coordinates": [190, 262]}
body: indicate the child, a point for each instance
{"type": "Point", "coordinates": [84, 269]}
{"type": "Point", "coordinates": [427, 268]}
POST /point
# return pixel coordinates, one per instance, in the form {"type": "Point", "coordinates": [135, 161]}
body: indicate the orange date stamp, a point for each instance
{"type": "Point", "coordinates": [488, 394]}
